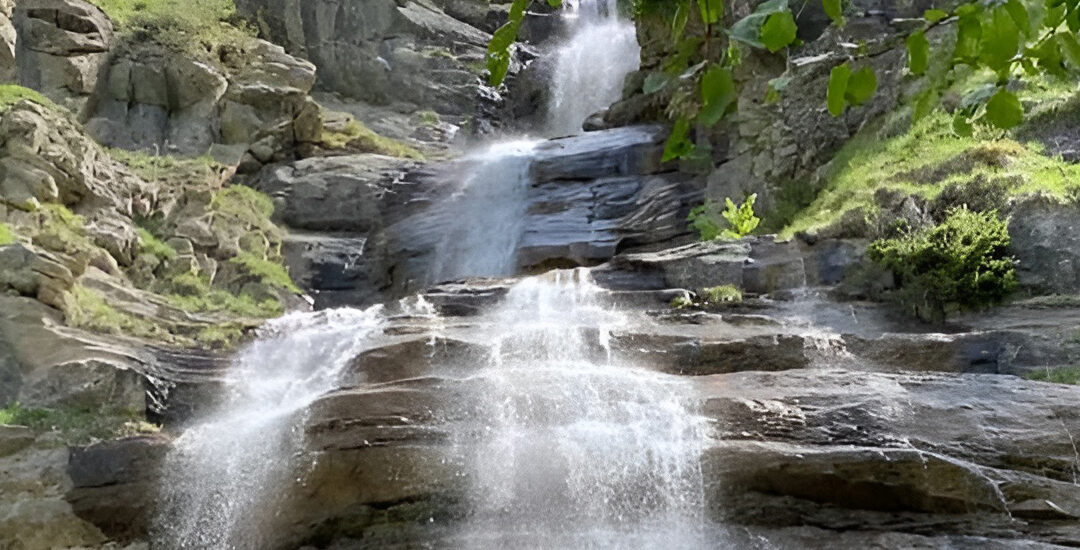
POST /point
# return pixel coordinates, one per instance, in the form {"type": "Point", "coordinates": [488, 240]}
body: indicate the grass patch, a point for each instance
{"type": "Point", "coordinates": [930, 162]}
{"type": "Point", "coordinates": [167, 168]}
{"type": "Point", "coordinates": [89, 310]}
{"type": "Point", "coordinates": [268, 272]}
{"type": "Point", "coordinates": [431, 118]}
{"type": "Point", "coordinates": [1064, 375]}
{"type": "Point", "coordinates": [245, 205]}
{"type": "Point", "coordinates": [150, 244]}
{"type": "Point", "coordinates": [723, 294]}
{"type": "Point", "coordinates": [358, 137]}
{"type": "Point", "coordinates": [11, 94]}
{"type": "Point", "coordinates": [77, 425]}
{"type": "Point", "coordinates": [61, 230]}
{"type": "Point", "coordinates": [193, 26]}
{"type": "Point", "coordinates": [7, 235]}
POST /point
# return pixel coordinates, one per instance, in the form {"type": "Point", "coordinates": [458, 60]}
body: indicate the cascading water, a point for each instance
{"type": "Point", "coordinates": [577, 450]}
{"type": "Point", "coordinates": [589, 67]}
{"type": "Point", "coordinates": [222, 476]}
{"type": "Point", "coordinates": [485, 218]}
{"type": "Point", "coordinates": [569, 449]}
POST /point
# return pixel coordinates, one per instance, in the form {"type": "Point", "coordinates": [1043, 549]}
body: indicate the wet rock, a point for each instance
{"type": "Point", "coordinates": [1045, 242]}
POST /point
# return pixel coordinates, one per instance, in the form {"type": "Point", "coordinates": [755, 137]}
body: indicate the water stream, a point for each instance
{"type": "Point", "coordinates": [572, 449]}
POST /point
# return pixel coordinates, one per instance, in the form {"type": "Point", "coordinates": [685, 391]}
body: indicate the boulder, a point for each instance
{"type": "Point", "coordinates": [62, 49]}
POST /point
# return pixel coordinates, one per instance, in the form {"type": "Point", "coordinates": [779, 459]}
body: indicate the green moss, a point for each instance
{"type": "Point", "coordinates": [11, 94]}
{"type": "Point", "coordinates": [223, 335]}
{"type": "Point", "coordinates": [681, 302]}
{"type": "Point", "coordinates": [77, 425]}
{"type": "Point", "coordinates": [723, 294]}
{"type": "Point", "coordinates": [357, 137]}
{"type": "Point", "coordinates": [7, 235]}
{"type": "Point", "coordinates": [89, 310]}
{"type": "Point", "coordinates": [207, 300]}
{"type": "Point", "coordinates": [148, 243]}
{"type": "Point", "coordinates": [268, 272]}
{"type": "Point", "coordinates": [1064, 375]}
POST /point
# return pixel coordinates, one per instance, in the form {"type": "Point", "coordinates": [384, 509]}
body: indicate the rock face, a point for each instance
{"type": "Point", "coordinates": [62, 49]}
{"type": "Point", "coordinates": [379, 51]}
{"type": "Point", "coordinates": [587, 198]}
{"type": "Point", "coordinates": [822, 432]}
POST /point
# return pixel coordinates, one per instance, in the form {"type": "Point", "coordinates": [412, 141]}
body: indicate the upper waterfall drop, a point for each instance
{"type": "Point", "coordinates": [587, 76]}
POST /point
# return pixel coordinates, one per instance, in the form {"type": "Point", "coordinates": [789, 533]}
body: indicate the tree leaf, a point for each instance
{"type": "Point", "coordinates": [1019, 15]}
{"type": "Point", "coordinates": [918, 48]}
{"type": "Point", "coordinates": [1000, 40]}
{"type": "Point", "coordinates": [961, 126]}
{"type": "Point", "coordinates": [678, 22]}
{"type": "Point", "coordinates": [924, 105]}
{"type": "Point", "coordinates": [834, 10]}
{"type": "Point", "coordinates": [498, 64]}
{"type": "Point", "coordinates": [748, 29]}
{"type": "Point", "coordinates": [838, 83]}
{"type": "Point", "coordinates": [1004, 110]}
{"type": "Point", "coordinates": [861, 86]}
{"type": "Point", "coordinates": [678, 144]}
{"type": "Point", "coordinates": [655, 82]}
{"type": "Point", "coordinates": [933, 15]}
{"type": "Point", "coordinates": [968, 36]}
{"type": "Point", "coordinates": [1070, 47]}
{"type": "Point", "coordinates": [778, 31]}
{"type": "Point", "coordinates": [555, 3]}
{"type": "Point", "coordinates": [711, 11]}
{"type": "Point", "coordinates": [717, 93]}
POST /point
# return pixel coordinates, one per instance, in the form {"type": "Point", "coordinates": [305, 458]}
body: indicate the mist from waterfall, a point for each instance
{"type": "Point", "coordinates": [223, 476]}
{"type": "Point", "coordinates": [577, 450]}
{"type": "Point", "coordinates": [590, 66]}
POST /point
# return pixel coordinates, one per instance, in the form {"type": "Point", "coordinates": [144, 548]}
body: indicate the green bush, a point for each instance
{"type": "Point", "coordinates": [960, 264]}
{"type": "Point", "coordinates": [740, 219]}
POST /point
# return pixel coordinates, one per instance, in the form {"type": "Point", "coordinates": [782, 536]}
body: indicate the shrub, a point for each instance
{"type": "Point", "coordinates": [740, 219]}
{"type": "Point", "coordinates": [961, 263]}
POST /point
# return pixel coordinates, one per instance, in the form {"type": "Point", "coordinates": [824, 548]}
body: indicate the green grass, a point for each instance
{"type": "Point", "coordinates": [7, 235]}
{"type": "Point", "coordinates": [431, 118]}
{"type": "Point", "coordinates": [11, 94]}
{"type": "Point", "coordinates": [192, 26]}
{"type": "Point", "coordinates": [268, 272]}
{"type": "Point", "coordinates": [77, 425]}
{"type": "Point", "coordinates": [148, 243]}
{"type": "Point", "coordinates": [245, 205]}
{"type": "Point", "coordinates": [357, 137]}
{"type": "Point", "coordinates": [930, 162]}
{"type": "Point", "coordinates": [723, 294]}
{"type": "Point", "coordinates": [89, 310]}
{"type": "Point", "coordinates": [1064, 375]}
{"type": "Point", "coordinates": [167, 168]}
{"type": "Point", "coordinates": [61, 230]}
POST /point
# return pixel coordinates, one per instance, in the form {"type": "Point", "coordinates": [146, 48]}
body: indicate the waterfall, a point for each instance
{"type": "Point", "coordinates": [590, 66]}
{"type": "Point", "coordinates": [484, 221]}
{"type": "Point", "coordinates": [576, 450]}
{"type": "Point", "coordinates": [222, 476]}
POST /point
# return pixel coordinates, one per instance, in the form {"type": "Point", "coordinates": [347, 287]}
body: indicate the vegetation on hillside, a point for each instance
{"type": "Point", "coordinates": [959, 264]}
{"type": "Point", "coordinates": [193, 26]}
{"type": "Point", "coordinates": [11, 94]}
{"type": "Point", "coordinates": [77, 425]}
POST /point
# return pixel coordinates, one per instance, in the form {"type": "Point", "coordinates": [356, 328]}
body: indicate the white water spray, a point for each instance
{"type": "Point", "coordinates": [590, 66]}
{"type": "Point", "coordinates": [577, 451]}
{"type": "Point", "coordinates": [223, 476]}
{"type": "Point", "coordinates": [484, 221]}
